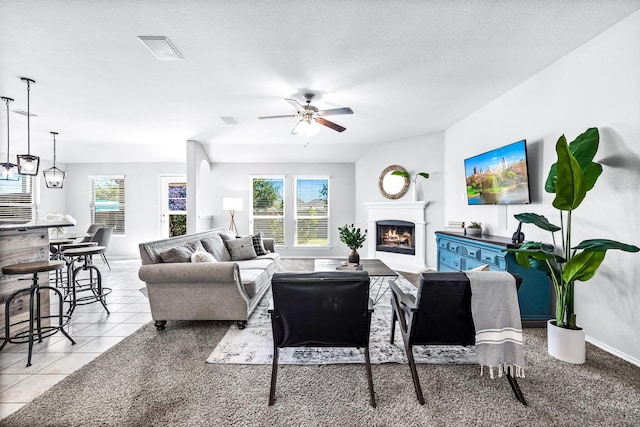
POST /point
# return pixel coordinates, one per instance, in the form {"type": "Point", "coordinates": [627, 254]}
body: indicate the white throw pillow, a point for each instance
{"type": "Point", "coordinates": [202, 256]}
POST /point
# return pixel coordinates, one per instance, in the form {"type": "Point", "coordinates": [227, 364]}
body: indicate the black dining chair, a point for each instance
{"type": "Point", "coordinates": [439, 314]}
{"type": "Point", "coordinates": [321, 309]}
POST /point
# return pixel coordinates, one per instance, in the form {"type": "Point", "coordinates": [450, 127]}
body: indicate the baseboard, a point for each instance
{"type": "Point", "coordinates": [613, 351]}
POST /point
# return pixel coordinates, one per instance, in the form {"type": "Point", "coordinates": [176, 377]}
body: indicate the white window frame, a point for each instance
{"type": "Point", "coordinates": [121, 204]}
{"type": "Point", "coordinates": [253, 217]}
{"type": "Point", "coordinates": [298, 217]}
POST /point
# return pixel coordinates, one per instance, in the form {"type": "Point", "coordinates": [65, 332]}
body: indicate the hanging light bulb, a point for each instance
{"type": "Point", "coordinates": [54, 177]}
{"type": "Point", "coordinates": [8, 170]}
{"type": "Point", "coordinates": [27, 163]}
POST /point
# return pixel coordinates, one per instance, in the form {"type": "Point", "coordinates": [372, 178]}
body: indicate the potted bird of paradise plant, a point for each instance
{"type": "Point", "coordinates": [570, 178]}
{"type": "Point", "coordinates": [414, 179]}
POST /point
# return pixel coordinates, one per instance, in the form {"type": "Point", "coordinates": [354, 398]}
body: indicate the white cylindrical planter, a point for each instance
{"type": "Point", "coordinates": [564, 344]}
{"type": "Point", "coordinates": [414, 192]}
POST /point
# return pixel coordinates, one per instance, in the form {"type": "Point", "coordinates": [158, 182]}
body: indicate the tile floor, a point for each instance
{"type": "Point", "coordinates": [93, 330]}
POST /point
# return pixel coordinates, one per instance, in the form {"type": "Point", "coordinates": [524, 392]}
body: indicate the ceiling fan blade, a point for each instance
{"type": "Point", "coordinates": [295, 104]}
{"type": "Point", "coordinates": [278, 117]}
{"type": "Point", "coordinates": [329, 124]}
{"type": "Point", "coordinates": [335, 111]}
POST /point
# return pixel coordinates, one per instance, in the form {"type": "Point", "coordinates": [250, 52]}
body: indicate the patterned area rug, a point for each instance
{"type": "Point", "coordinates": [254, 344]}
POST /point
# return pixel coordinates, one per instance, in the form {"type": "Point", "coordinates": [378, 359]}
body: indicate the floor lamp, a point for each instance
{"type": "Point", "coordinates": [232, 204]}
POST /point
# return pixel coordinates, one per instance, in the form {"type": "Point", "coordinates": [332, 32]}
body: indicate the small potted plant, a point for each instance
{"type": "Point", "coordinates": [413, 179]}
{"type": "Point", "coordinates": [354, 238]}
{"type": "Point", "coordinates": [570, 178]}
{"type": "Point", "coordinates": [474, 228]}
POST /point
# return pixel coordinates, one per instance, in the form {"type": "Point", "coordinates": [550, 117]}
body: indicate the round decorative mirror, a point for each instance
{"type": "Point", "coordinates": [393, 186]}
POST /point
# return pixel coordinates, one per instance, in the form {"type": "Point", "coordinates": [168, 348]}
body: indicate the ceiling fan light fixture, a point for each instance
{"type": "Point", "coordinates": [54, 177]}
{"type": "Point", "coordinates": [306, 127]}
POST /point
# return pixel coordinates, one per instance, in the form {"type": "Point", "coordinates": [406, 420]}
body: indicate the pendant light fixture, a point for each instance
{"type": "Point", "coordinates": [54, 177]}
{"type": "Point", "coordinates": [8, 170]}
{"type": "Point", "coordinates": [28, 164]}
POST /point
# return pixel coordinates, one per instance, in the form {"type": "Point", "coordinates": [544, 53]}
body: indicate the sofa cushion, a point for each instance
{"type": "Point", "coordinates": [241, 248]}
{"type": "Point", "coordinates": [227, 235]}
{"type": "Point", "coordinates": [216, 247]}
{"type": "Point", "coordinates": [202, 256]}
{"type": "Point", "coordinates": [254, 280]}
{"type": "Point", "coordinates": [258, 264]}
{"type": "Point", "coordinates": [258, 246]}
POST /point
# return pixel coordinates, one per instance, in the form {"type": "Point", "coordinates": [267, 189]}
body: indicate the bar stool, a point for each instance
{"type": "Point", "coordinates": [36, 328]}
{"type": "Point", "coordinates": [63, 247]}
{"type": "Point", "coordinates": [92, 284]}
{"type": "Point", "coordinates": [55, 252]}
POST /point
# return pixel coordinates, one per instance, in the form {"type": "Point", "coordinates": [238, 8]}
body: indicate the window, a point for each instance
{"type": "Point", "coordinates": [17, 199]}
{"type": "Point", "coordinates": [107, 202]}
{"type": "Point", "coordinates": [267, 207]}
{"type": "Point", "coordinates": [312, 212]}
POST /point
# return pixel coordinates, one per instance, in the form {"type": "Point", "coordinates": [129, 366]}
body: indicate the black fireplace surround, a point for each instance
{"type": "Point", "coordinates": [396, 237]}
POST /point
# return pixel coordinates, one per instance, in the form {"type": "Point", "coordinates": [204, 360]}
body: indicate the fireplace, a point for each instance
{"type": "Point", "coordinates": [396, 237]}
{"type": "Point", "coordinates": [398, 254]}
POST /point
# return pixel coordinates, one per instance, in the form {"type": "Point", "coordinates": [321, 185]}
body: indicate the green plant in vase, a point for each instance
{"type": "Point", "coordinates": [570, 178]}
{"type": "Point", "coordinates": [413, 179]}
{"type": "Point", "coordinates": [354, 238]}
{"type": "Point", "coordinates": [474, 228]}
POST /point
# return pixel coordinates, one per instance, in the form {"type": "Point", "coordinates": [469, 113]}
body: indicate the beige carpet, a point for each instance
{"type": "Point", "coordinates": [160, 379]}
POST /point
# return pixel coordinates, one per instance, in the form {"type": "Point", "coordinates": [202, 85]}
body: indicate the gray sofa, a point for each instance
{"type": "Point", "coordinates": [222, 290]}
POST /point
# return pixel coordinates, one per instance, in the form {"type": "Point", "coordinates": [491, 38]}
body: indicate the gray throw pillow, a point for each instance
{"type": "Point", "coordinates": [227, 235]}
{"type": "Point", "coordinates": [181, 253]}
{"type": "Point", "coordinates": [258, 246]}
{"type": "Point", "coordinates": [241, 249]}
{"type": "Point", "coordinates": [177, 254]}
{"type": "Point", "coordinates": [216, 247]}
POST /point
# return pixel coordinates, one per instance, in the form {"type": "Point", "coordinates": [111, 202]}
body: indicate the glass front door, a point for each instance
{"type": "Point", "coordinates": [174, 206]}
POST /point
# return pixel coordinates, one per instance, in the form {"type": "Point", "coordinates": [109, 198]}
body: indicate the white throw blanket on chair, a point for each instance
{"type": "Point", "coordinates": [496, 316]}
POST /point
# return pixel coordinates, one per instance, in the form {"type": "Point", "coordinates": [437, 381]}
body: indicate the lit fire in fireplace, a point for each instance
{"type": "Point", "coordinates": [396, 236]}
{"type": "Point", "coordinates": [393, 238]}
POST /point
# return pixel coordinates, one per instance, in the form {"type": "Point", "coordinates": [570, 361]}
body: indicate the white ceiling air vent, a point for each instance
{"type": "Point", "coordinates": [161, 47]}
{"type": "Point", "coordinates": [229, 120]}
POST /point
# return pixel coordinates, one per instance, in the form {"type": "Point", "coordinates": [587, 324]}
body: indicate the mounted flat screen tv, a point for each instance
{"type": "Point", "coordinates": [498, 177]}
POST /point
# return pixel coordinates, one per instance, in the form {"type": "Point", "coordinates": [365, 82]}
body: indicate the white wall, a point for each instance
{"type": "Point", "coordinates": [595, 85]}
{"type": "Point", "coordinates": [232, 180]}
{"type": "Point", "coordinates": [142, 198]}
{"type": "Point", "coordinates": [420, 154]}
{"type": "Point", "coordinates": [199, 202]}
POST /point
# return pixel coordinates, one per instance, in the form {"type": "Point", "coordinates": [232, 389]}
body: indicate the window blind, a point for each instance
{"type": "Point", "coordinates": [267, 207]}
{"type": "Point", "coordinates": [107, 201]}
{"type": "Point", "coordinates": [17, 199]}
{"type": "Point", "coordinates": [312, 211]}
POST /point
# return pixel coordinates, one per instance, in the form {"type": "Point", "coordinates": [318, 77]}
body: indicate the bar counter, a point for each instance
{"type": "Point", "coordinates": [23, 241]}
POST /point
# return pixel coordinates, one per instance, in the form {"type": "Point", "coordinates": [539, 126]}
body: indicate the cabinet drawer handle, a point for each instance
{"type": "Point", "coordinates": [487, 258]}
{"type": "Point", "coordinates": [455, 263]}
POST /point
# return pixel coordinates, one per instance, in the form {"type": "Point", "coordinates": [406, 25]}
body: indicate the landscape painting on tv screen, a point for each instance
{"type": "Point", "coordinates": [498, 177]}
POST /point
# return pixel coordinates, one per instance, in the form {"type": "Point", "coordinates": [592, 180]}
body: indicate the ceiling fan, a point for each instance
{"type": "Point", "coordinates": [310, 117]}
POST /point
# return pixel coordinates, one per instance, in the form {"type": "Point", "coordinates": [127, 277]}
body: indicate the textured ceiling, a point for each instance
{"type": "Point", "coordinates": [405, 67]}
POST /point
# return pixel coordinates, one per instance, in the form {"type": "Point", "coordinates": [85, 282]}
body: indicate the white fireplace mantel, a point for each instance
{"type": "Point", "coordinates": [400, 211]}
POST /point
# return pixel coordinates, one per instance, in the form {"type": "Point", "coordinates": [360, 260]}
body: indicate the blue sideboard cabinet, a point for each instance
{"type": "Point", "coordinates": [458, 252]}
